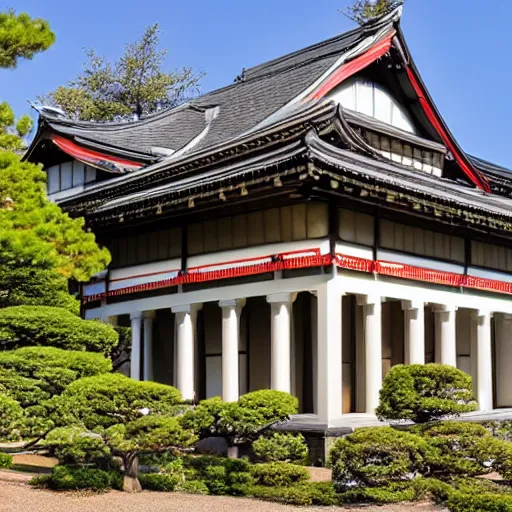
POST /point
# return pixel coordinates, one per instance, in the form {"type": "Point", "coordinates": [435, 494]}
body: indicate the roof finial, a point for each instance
{"type": "Point", "coordinates": [241, 76]}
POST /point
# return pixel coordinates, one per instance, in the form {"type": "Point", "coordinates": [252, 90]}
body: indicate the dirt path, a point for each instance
{"type": "Point", "coordinates": [19, 497]}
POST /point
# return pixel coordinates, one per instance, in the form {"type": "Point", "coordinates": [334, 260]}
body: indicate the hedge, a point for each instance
{"type": "Point", "coordinates": [312, 493]}
{"type": "Point", "coordinates": [159, 482]}
{"type": "Point", "coordinates": [56, 327]}
{"type": "Point", "coordinates": [278, 474]}
{"type": "Point", "coordinates": [281, 447]}
{"type": "Point", "coordinates": [64, 478]}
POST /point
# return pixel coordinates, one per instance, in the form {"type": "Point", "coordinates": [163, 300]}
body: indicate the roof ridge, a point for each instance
{"type": "Point", "coordinates": [119, 125]}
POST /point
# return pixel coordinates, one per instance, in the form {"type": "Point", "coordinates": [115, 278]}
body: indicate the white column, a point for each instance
{"type": "Point", "coordinates": [280, 359]}
{"type": "Point", "coordinates": [148, 318]}
{"type": "Point", "coordinates": [136, 321]}
{"type": "Point", "coordinates": [372, 350]}
{"type": "Point", "coordinates": [186, 317]}
{"type": "Point", "coordinates": [484, 361]}
{"type": "Point", "coordinates": [231, 311]}
{"type": "Point", "coordinates": [503, 326]}
{"type": "Point", "coordinates": [446, 334]}
{"type": "Point", "coordinates": [329, 363]}
{"type": "Point", "coordinates": [414, 331]}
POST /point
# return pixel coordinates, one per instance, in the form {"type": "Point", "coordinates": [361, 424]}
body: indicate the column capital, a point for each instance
{"type": "Point", "coordinates": [187, 308]}
{"type": "Point", "coordinates": [149, 314]}
{"type": "Point", "coordinates": [137, 315]}
{"type": "Point", "coordinates": [281, 298]}
{"type": "Point", "coordinates": [369, 300]}
{"type": "Point", "coordinates": [232, 303]}
{"type": "Point", "coordinates": [444, 308]}
{"type": "Point", "coordinates": [408, 305]}
{"type": "Point", "coordinates": [483, 312]}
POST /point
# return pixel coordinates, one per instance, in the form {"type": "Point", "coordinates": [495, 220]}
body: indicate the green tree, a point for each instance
{"type": "Point", "coordinates": [363, 11]}
{"type": "Point", "coordinates": [22, 37]}
{"type": "Point", "coordinates": [424, 393]}
{"type": "Point", "coordinates": [134, 84]}
{"type": "Point", "coordinates": [34, 232]}
{"type": "Point", "coordinates": [12, 131]}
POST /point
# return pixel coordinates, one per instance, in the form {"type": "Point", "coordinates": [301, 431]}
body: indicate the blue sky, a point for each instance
{"type": "Point", "coordinates": [461, 49]}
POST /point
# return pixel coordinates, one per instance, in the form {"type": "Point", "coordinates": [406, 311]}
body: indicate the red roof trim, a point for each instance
{"type": "Point", "coordinates": [94, 157]}
{"type": "Point", "coordinates": [354, 66]}
{"type": "Point", "coordinates": [437, 123]}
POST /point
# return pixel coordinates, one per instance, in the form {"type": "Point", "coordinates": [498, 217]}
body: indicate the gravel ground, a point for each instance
{"type": "Point", "coordinates": [19, 497]}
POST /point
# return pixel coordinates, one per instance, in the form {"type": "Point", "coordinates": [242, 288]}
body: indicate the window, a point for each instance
{"type": "Point", "coordinates": [372, 99]}
{"type": "Point", "coordinates": [355, 227]}
{"type": "Point", "coordinates": [68, 175]}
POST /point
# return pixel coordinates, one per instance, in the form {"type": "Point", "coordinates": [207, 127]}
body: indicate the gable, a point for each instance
{"type": "Point", "coordinates": [373, 99]}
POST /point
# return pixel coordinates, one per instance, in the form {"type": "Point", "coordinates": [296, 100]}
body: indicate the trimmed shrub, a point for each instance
{"type": "Point", "coordinates": [159, 482]}
{"type": "Point", "coordinates": [11, 415]}
{"type": "Point", "coordinates": [64, 478]}
{"type": "Point", "coordinates": [110, 399]}
{"type": "Point", "coordinates": [40, 481]}
{"type": "Point", "coordinates": [194, 487]}
{"type": "Point", "coordinates": [5, 460]}
{"type": "Point", "coordinates": [395, 493]}
{"type": "Point", "coordinates": [376, 457]}
{"type": "Point", "coordinates": [48, 326]}
{"type": "Point", "coordinates": [423, 393]}
{"type": "Point", "coordinates": [279, 474]}
{"type": "Point", "coordinates": [313, 493]}
{"type": "Point", "coordinates": [221, 476]}
{"type": "Point", "coordinates": [459, 449]}
{"type": "Point", "coordinates": [281, 448]}
{"type": "Point", "coordinates": [271, 405]}
{"type": "Point", "coordinates": [74, 445]}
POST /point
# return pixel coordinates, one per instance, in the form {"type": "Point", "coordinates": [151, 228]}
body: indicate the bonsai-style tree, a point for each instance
{"type": "Point", "coordinates": [422, 393]}
{"type": "Point", "coordinates": [242, 421]}
{"type": "Point", "coordinates": [127, 415]}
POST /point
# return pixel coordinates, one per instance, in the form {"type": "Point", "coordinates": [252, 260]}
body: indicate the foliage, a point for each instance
{"type": "Point", "coordinates": [311, 493]}
{"type": "Point", "coordinates": [5, 460]}
{"type": "Point", "coordinates": [12, 131]}
{"type": "Point", "coordinates": [363, 11]}
{"type": "Point", "coordinates": [148, 433]}
{"type": "Point", "coordinates": [11, 415]}
{"type": "Point", "coordinates": [221, 476]}
{"type": "Point", "coordinates": [278, 447]}
{"type": "Point", "coordinates": [459, 449]}
{"type": "Point", "coordinates": [34, 286]}
{"type": "Point", "coordinates": [74, 445]}
{"type": "Point", "coordinates": [36, 233]}
{"type": "Point", "coordinates": [393, 493]}
{"type": "Point", "coordinates": [135, 84]}
{"type": "Point", "coordinates": [423, 393]}
{"type": "Point", "coordinates": [159, 482]}
{"type": "Point", "coordinates": [48, 326]}
{"type": "Point", "coordinates": [194, 487]}
{"type": "Point", "coordinates": [375, 457]}
{"type": "Point", "coordinates": [243, 420]}
{"type": "Point", "coordinates": [22, 37]}
{"type": "Point", "coordinates": [279, 474]}
{"type": "Point", "coordinates": [64, 478]}
{"type": "Point", "coordinates": [112, 399]}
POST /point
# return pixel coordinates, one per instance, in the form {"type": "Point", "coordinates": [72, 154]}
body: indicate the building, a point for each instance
{"type": "Point", "coordinates": [303, 229]}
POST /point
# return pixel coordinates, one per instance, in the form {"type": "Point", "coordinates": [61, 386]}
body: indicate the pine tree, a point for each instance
{"type": "Point", "coordinates": [363, 11]}
{"type": "Point", "coordinates": [134, 84]}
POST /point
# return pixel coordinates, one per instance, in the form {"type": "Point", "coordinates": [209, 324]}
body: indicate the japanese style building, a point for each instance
{"type": "Point", "coordinates": [302, 229]}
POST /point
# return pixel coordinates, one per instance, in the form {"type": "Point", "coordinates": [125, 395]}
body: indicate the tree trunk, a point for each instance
{"type": "Point", "coordinates": [131, 473]}
{"type": "Point", "coordinates": [232, 452]}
